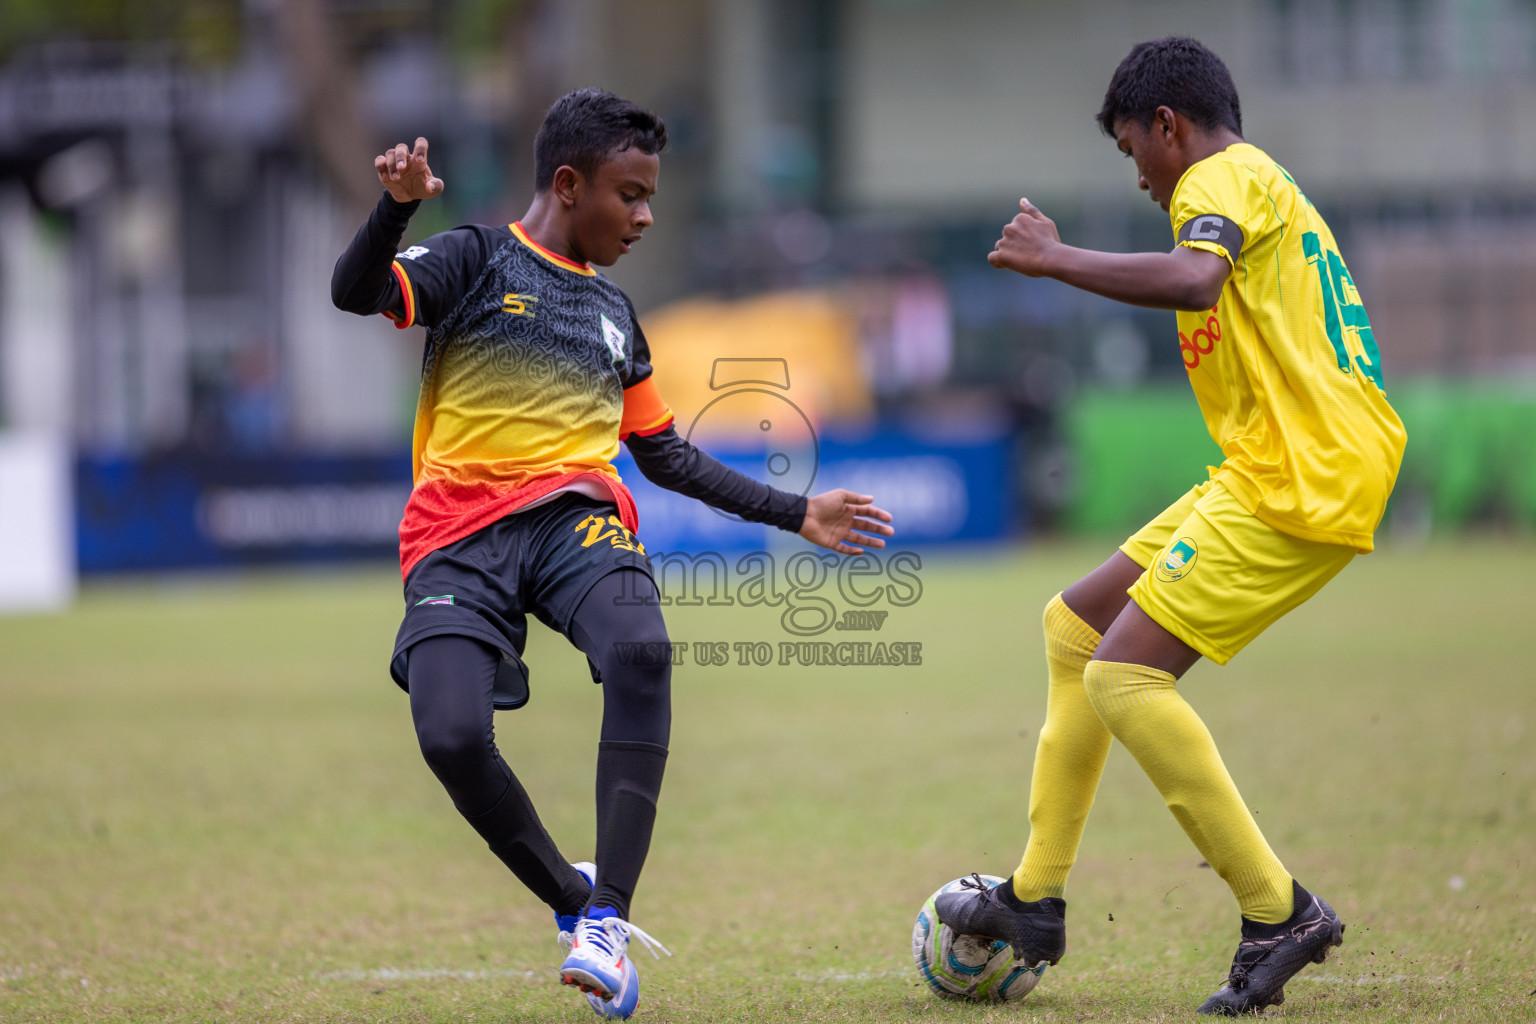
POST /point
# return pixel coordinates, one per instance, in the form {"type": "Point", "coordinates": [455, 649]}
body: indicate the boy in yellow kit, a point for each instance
{"type": "Point", "coordinates": [1283, 363]}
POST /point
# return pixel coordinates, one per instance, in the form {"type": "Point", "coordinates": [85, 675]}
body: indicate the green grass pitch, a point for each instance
{"type": "Point", "coordinates": [212, 809]}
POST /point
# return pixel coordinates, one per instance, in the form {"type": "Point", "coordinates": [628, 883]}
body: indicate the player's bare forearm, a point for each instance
{"type": "Point", "coordinates": [1185, 278]}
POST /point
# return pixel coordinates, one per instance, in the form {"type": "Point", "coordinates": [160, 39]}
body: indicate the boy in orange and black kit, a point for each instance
{"type": "Point", "coordinates": [1285, 367]}
{"type": "Point", "coordinates": [535, 369]}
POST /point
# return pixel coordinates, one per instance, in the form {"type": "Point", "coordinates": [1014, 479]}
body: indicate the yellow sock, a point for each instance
{"type": "Point", "coordinates": [1069, 759]}
{"type": "Point", "coordinates": [1143, 709]}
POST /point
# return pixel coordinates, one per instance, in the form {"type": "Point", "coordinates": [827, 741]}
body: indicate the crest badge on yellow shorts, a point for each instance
{"type": "Point", "coordinates": [1178, 561]}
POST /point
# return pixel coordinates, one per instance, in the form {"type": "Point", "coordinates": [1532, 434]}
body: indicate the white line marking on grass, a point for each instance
{"type": "Point", "coordinates": [1334, 979]}
{"type": "Point", "coordinates": [843, 977]}
{"type": "Point", "coordinates": [425, 973]}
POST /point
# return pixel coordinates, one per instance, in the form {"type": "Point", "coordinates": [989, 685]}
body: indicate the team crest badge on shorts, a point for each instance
{"type": "Point", "coordinates": [1178, 561]}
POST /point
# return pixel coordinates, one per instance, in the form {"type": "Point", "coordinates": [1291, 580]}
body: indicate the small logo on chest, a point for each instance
{"type": "Point", "coordinates": [519, 305]}
{"type": "Point", "coordinates": [614, 339]}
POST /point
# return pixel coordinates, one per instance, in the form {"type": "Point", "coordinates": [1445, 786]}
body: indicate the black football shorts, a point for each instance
{"type": "Point", "coordinates": [543, 560]}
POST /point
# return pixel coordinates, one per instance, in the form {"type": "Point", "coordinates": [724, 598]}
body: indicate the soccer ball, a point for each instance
{"type": "Point", "coordinates": [968, 967]}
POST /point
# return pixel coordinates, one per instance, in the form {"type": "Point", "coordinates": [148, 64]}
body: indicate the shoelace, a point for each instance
{"type": "Point", "coordinates": [606, 933]}
{"type": "Point", "coordinates": [1251, 953]}
{"type": "Point", "coordinates": [978, 883]}
{"type": "Point", "coordinates": [988, 891]}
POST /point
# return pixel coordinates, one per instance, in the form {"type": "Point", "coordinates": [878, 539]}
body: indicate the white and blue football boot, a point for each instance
{"type": "Point", "coordinates": [599, 961]}
{"type": "Point", "coordinates": [567, 922]}
{"type": "Point", "coordinates": [624, 1000]}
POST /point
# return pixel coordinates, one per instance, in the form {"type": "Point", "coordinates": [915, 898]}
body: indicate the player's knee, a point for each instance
{"type": "Point", "coordinates": [1102, 686]}
{"type": "Point", "coordinates": [635, 633]}
{"type": "Point", "coordinates": [1116, 689]}
{"type": "Point", "coordinates": [650, 686]}
{"type": "Point", "coordinates": [645, 677]}
{"type": "Point", "coordinates": [1069, 640]}
{"type": "Point", "coordinates": [637, 704]}
{"type": "Point", "coordinates": [453, 748]}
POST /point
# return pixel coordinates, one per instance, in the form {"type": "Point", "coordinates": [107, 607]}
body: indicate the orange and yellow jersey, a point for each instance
{"type": "Point", "coordinates": [535, 368]}
{"type": "Point", "coordinates": [1284, 366]}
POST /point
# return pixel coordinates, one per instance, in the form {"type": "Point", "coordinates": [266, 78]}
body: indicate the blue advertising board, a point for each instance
{"type": "Point", "coordinates": [187, 511]}
{"type": "Point", "coordinates": [201, 511]}
{"type": "Point", "coordinates": [936, 492]}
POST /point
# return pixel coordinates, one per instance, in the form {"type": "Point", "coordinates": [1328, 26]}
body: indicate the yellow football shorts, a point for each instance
{"type": "Point", "coordinates": [1216, 577]}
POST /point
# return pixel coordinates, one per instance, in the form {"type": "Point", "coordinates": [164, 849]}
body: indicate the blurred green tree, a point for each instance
{"type": "Point", "coordinates": [202, 31]}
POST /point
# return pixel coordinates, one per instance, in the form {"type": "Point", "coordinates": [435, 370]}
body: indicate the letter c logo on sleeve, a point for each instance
{"type": "Point", "coordinates": [1211, 227]}
{"type": "Point", "coordinates": [1207, 228]}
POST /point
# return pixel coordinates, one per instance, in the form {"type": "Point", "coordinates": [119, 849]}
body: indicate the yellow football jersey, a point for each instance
{"type": "Point", "coordinates": [1284, 366]}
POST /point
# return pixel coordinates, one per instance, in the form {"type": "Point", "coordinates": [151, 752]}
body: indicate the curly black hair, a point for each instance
{"type": "Point", "coordinates": [584, 126]}
{"type": "Point", "coordinates": [1178, 73]}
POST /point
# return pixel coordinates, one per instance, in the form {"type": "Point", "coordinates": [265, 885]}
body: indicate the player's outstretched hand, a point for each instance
{"type": "Point", "coordinates": [840, 520]}
{"type": "Point", "coordinates": [404, 172]}
{"type": "Point", "coordinates": [1026, 242]}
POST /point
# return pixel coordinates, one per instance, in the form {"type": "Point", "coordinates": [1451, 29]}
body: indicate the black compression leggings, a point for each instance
{"type": "Point", "coordinates": [450, 683]}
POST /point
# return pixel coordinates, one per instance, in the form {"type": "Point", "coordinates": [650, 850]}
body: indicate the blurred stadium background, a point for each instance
{"type": "Point", "coordinates": [177, 177]}
{"type": "Point", "coordinates": [211, 804]}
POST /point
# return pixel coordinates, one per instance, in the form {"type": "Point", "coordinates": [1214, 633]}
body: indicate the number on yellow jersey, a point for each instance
{"type": "Point", "coordinates": [1342, 309]}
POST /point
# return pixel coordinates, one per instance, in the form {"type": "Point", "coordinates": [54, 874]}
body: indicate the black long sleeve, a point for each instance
{"type": "Point", "coordinates": [667, 460]}
{"type": "Point", "coordinates": [362, 282]}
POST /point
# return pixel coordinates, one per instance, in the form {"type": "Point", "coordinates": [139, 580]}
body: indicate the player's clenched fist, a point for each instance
{"type": "Point", "coordinates": [1026, 241]}
{"type": "Point", "coordinates": [405, 174]}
